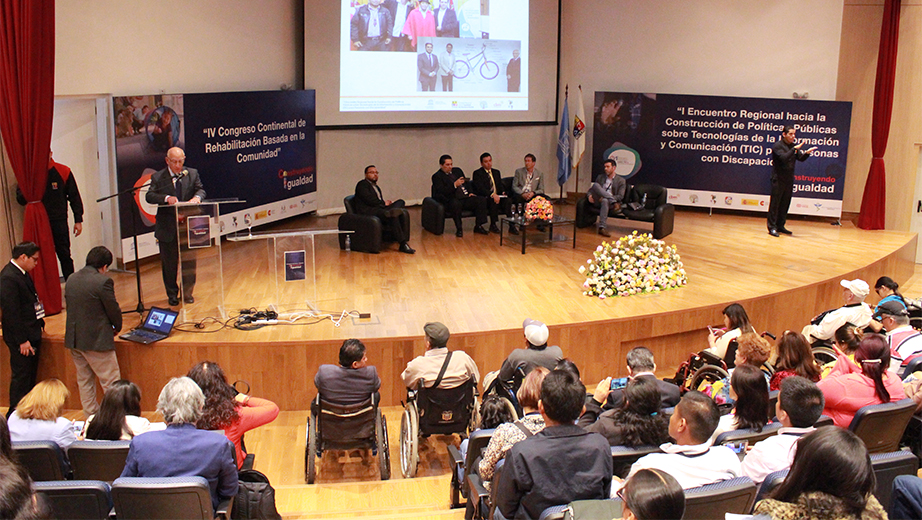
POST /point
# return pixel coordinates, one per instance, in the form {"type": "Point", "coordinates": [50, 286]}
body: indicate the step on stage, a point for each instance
{"type": "Point", "coordinates": [482, 291]}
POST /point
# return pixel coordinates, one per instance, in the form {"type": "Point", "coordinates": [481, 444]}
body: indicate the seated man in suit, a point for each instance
{"type": "Point", "coordinates": [450, 188]}
{"type": "Point", "coordinates": [488, 182]}
{"type": "Point", "coordinates": [528, 182]}
{"type": "Point", "coordinates": [607, 193]}
{"type": "Point", "coordinates": [426, 368]}
{"type": "Point", "coordinates": [182, 450]}
{"type": "Point", "coordinates": [370, 201]}
{"type": "Point", "coordinates": [640, 363]}
{"type": "Point", "coordinates": [559, 464]}
{"type": "Point", "coordinates": [352, 381]}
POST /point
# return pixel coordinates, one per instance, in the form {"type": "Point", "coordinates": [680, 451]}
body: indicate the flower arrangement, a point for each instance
{"type": "Point", "coordinates": [539, 208]}
{"type": "Point", "coordinates": [633, 264]}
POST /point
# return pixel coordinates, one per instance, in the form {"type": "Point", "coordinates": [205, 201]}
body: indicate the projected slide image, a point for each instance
{"type": "Point", "coordinates": [431, 51]}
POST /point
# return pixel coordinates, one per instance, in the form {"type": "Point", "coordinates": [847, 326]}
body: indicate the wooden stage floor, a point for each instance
{"type": "Point", "coordinates": [482, 291]}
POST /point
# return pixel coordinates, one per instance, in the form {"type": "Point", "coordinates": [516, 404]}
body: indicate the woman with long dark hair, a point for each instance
{"type": "Point", "coordinates": [866, 380]}
{"type": "Point", "coordinates": [749, 392]}
{"type": "Point", "coordinates": [652, 494]}
{"type": "Point", "coordinates": [888, 290]}
{"type": "Point", "coordinates": [795, 358]}
{"type": "Point", "coordinates": [736, 323]}
{"type": "Point", "coordinates": [831, 478]}
{"type": "Point", "coordinates": [637, 423]}
{"type": "Point", "coordinates": [119, 415]}
{"type": "Point", "coordinates": [228, 410]}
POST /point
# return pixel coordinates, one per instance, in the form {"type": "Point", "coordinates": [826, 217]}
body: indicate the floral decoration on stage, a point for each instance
{"type": "Point", "coordinates": [634, 264]}
{"type": "Point", "coordinates": [539, 208]}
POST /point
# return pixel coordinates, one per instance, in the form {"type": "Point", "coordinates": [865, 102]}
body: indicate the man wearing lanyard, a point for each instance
{"type": "Point", "coordinates": [22, 321]}
{"type": "Point", "coordinates": [529, 181]}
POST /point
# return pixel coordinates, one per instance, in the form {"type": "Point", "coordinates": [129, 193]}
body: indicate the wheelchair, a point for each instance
{"type": "Point", "coordinates": [332, 426]}
{"type": "Point", "coordinates": [507, 390]}
{"type": "Point", "coordinates": [439, 411]}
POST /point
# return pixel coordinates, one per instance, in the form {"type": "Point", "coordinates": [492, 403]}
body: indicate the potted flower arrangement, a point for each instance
{"type": "Point", "coordinates": [539, 208]}
{"type": "Point", "coordinates": [634, 264]}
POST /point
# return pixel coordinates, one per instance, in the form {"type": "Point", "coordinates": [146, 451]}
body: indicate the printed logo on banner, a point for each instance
{"type": "Point", "coordinates": [728, 201]}
{"type": "Point", "coordinates": [298, 177]}
{"type": "Point", "coordinates": [627, 160]}
{"type": "Point", "coordinates": [673, 197]}
{"type": "Point", "coordinates": [818, 206]}
{"type": "Point", "coordinates": [693, 198]}
{"type": "Point", "coordinates": [713, 199]}
{"type": "Point", "coordinates": [752, 202]}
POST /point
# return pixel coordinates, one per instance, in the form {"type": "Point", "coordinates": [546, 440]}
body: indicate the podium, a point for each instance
{"type": "Point", "coordinates": [200, 263]}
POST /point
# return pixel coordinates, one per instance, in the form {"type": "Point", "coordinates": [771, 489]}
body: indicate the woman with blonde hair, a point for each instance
{"type": "Point", "coordinates": [38, 415]}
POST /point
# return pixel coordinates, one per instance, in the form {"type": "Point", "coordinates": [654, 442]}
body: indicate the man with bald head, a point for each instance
{"type": "Point", "coordinates": [169, 186]}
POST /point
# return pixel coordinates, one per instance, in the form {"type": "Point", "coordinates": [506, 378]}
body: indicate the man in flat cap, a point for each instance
{"type": "Point", "coordinates": [905, 342]}
{"type": "Point", "coordinates": [426, 368]}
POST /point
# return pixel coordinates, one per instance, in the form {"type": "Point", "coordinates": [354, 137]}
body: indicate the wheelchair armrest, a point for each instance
{"type": "Point", "coordinates": [478, 495]}
{"type": "Point", "coordinates": [224, 509]}
{"type": "Point", "coordinates": [454, 458]}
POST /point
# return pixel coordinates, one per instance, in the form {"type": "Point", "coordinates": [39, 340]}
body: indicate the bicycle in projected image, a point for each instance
{"type": "Point", "coordinates": [488, 69]}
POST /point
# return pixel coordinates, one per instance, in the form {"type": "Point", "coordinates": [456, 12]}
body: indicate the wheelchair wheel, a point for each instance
{"type": "Point", "coordinates": [475, 418]}
{"type": "Point", "coordinates": [707, 374]}
{"type": "Point", "coordinates": [409, 441]}
{"type": "Point", "coordinates": [824, 355]}
{"type": "Point", "coordinates": [384, 454]}
{"type": "Point", "coordinates": [310, 453]}
{"type": "Point", "coordinates": [512, 409]}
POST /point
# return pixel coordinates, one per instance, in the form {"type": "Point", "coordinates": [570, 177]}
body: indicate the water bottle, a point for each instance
{"type": "Point", "coordinates": [348, 243]}
{"type": "Point", "coordinates": [521, 213]}
{"type": "Point", "coordinates": [644, 201]}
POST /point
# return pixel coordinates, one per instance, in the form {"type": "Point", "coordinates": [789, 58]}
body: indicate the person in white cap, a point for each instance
{"type": "Point", "coordinates": [855, 311]}
{"type": "Point", "coordinates": [535, 353]}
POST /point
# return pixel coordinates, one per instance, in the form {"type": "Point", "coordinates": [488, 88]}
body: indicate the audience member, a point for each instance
{"type": "Point", "coordinates": [889, 291]}
{"type": "Point", "coordinates": [795, 358]}
{"type": "Point", "coordinates": [559, 464]}
{"type": "Point", "coordinates": [652, 494]}
{"type": "Point", "coordinates": [831, 477]}
{"type": "Point", "coordinates": [181, 450]}
{"type": "Point", "coordinates": [692, 460]}
{"type": "Point", "coordinates": [93, 320]}
{"type": "Point", "coordinates": [119, 416]}
{"type": "Point", "coordinates": [528, 181]}
{"type": "Point", "coordinates": [536, 352]}
{"type": "Point", "coordinates": [38, 416]}
{"type": "Point", "coordinates": [907, 497]}
{"type": "Point", "coordinates": [636, 423]}
{"type": "Point", "coordinates": [487, 182]}
{"type": "Point", "coordinates": [753, 350]}
{"type": "Point", "coordinates": [22, 316]}
{"type": "Point", "coordinates": [568, 365]}
{"type": "Point", "coordinates": [845, 342]}
{"type": "Point", "coordinates": [425, 369]}
{"type": "Point", "coordinates": [494, 411]}
{"type": "Point", "coordinates": [641, 365]}
{"type": "Point", "coordinates": [865, 381]}
{"type": "Point", "coordinates": [226, 409]}
{"type": "Point", "coordinates": [353, 380]}
{"type": "Point", "coordinates": [905, 342]}
{"type": "Point", "coordinates": [736, 323]}
{"type": "Point", "coordinates": [799, 406]}
{"type": "Point", "coordinates": [17, 500]}
{"type": "Point", "coordinates": [749, 394]}
{"type": "Point", "coordinates": [855, 311]}
{"type": "Point", "coordinates": [506, 435]}
{"type": "Point", "coordinates": [6, 443]}
{"type": "Point", "coordinates": [450, 188]}
{"type": "Point", "coordinates": [606, 194]}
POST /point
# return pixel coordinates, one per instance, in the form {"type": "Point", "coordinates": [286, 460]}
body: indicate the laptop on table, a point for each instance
{"type": "Point", "coordinates": [157, 326]}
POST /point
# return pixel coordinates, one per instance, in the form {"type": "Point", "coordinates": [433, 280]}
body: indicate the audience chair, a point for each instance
{"type": "Point", "coordinates": [332, 426]}
{"type": "Point", "coordinates": [622, 457]}
{"type": "Point", "coordinates": [772, 480]}
{"type": "Point", "coordinates": [656, 209]}
{"type": "Point", "coordinates": [824, 420]}
{"type": "Point", "coordinates": [748, 434]}
{"type": "Point", "coordinates": [368, 232]}
{"type": "Point", "coordinates": [914, 365]}
{"type": "Point", "coordinates": [888, 466]}
{"type": "Point", "coordinates": [484, 501]}
{"type": "Point", "coordinates": [186, 498]}
{"type": "Point", "coordinates": [76, 499]}
{"type": "Point", "coordinates": [98, 460]}
{"type": "Point", "coordinates": [44, 460]}
{"type": "Point", "coordinates": [440, 411]}
{"type": "Point", "coordinates": [610, 508]}
{"type": "Point", "coordinates": [461, 467]}
{"type": "Point", "coordinates": [714, 501]}
{"type": "Point", "coordinates": [881, 426]}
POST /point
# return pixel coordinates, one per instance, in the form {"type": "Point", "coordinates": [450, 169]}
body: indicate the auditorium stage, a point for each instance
{"type": "Point", "coordinates": [482, 291]}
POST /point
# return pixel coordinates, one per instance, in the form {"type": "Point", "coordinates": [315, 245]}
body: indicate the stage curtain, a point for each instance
{"type": "Point", "coordinates": [874, 201]}
{"type": "Point", "coordinates": [26, 112]}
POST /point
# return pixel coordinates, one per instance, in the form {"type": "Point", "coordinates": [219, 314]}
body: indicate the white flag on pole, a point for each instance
{"type": "Point", "coordinates": [579, 130]}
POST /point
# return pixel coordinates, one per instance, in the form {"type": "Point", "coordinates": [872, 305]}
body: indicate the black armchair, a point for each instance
{"type": "Point", "coordinates": [656, 209]}
{"type": "Point", "coordinates": [433, 217]}
{"type": "Point", "coordinates": [368, 233]}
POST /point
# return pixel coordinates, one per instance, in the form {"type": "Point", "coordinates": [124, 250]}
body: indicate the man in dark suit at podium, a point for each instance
{"type": "Point", "coordinates": [370, 201]}
{"type": "Point", "coordinates": [169, 186]}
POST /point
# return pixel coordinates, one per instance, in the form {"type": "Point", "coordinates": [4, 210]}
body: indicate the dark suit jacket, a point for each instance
{"type": "Point", "coordinates": [514, 69]}
{"type": "Point", "coordinates": [183, 451]}
{"type": "Point", "coordinates": [450, 26]}
{"type": "Point", "coordinates": [669, 395]}
{"type": "Point", "coordinates": [366, 198]}
{"type": "Point", "coordinates": [391, 6]}
{"type": "Point", "coordinates": [93, 315]}
{"type": "Point", "coordinates": [17, 303]}
{"type": "Point", "coordinates": [481, 183]}
{"type": "Point", "coordinates": [161, 187]}
{"type": "Point", "coordinates": [422, 63]}
{"type": "Point", "coordinates": [443, 185]}
{"type": "Point", "coordinates": [342, 385]}
{"type": "Point", "coordinates": [358, 29]}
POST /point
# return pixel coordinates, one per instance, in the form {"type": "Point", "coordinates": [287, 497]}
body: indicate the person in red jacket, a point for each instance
{"type": "Point", "coordinates": [226, 409]}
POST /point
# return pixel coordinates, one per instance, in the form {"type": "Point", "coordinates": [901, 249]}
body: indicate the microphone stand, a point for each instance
{"type": "Point", "coordinates": [136, 214]}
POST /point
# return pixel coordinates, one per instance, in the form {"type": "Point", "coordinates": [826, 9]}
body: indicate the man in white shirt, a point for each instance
{"type": "Point", "coordinates": [905, 342]}
{"type": "Point", "coordinates": [692, 460]}
{"type": "Point", "coordinates": [855, 311]}
{"type": "Point", "coordinates": [447, 69]}
{"type": "Point", "coordinates": [800, 404]}
{"type": "Point", "coordinates": [399, 10]}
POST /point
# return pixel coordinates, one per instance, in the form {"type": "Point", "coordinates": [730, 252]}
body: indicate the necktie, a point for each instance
{"type": "Point", "coordinates": [492, 183]}
{"type": "Point", "coordinates": [378, 191]}
{"type": "Point", "coordinates": [179, 188]}
{"type": "Point", "coordinates": [430, 60]}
